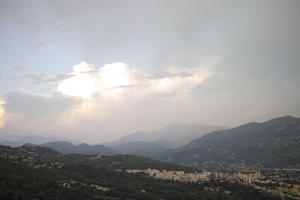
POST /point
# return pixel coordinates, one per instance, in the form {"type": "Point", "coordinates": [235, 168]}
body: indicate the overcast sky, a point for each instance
{"type": "Point", "coordinates": [96, 70]}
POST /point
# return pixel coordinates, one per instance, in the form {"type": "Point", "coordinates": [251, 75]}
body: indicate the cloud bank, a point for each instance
{"type": "Point", "coordinates": [103, 102]}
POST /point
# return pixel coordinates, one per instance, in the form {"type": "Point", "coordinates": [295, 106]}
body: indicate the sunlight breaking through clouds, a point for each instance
{"type": "Point", "coordinates": [105, 98]}
{"type": "Point", "coordinates": [117, 79]}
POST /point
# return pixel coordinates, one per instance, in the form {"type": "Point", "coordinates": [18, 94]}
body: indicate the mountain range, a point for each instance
{"type": "Point", "coordinates": [271, 144]}
{"type": "Point", "coordinates": [171, 136]}
{"type": "Point", "coordinates": [15, 140]}
{"type": "Point", "coordinates": [147, 143]}
{"type": "Point", "coordinates": [69, 148]}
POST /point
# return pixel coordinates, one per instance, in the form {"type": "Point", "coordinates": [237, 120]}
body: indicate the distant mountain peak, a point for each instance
{"type": "Point", "coordinates": [83, 145]}
{"type": "Point", "coordinates": [281, 119]}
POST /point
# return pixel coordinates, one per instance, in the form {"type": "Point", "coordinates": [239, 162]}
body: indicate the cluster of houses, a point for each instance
{"type": "Point", "coordinates": [199, 177]}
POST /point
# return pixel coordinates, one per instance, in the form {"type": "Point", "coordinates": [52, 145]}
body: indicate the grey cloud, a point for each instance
{"type": "Point", "coordinates": [33, 77]}
{"type": "Point", "coordinates": [58, 78]}
{"type": "Point", "coordinates": [40, 44]}
{"type": "Point", "coordinates": [173, 32]}
{"type": "Point", "coordinates": [17, 68]}
{"type": "Point", "coordinates": [41, 78]}
{"type": "Point", "coordinates": [30, 76]}
{"type": "Point", "coordinates": [256, 41]}
{"type": "Point", "coordinates": [35, 114]}
{"type": "Point", "coordinates": [34, 106]}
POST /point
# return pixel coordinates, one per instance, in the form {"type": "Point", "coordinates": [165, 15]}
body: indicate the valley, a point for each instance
{"type": "Point", "coordinates": [31, 171]}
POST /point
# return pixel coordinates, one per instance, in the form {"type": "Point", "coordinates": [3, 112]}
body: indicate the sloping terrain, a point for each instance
{"type": "Point", "coordinates": [272, 144]}
{"type": "Point", "coordinates": [148, 149]}
{"type": "Point", "coordinates": [33, 172]}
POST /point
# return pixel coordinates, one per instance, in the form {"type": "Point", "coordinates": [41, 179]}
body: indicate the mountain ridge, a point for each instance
{"type": "Point", "coordinates": [83, 148]}
{"type": "Point", "coordinates": [273, 143]}
{"type": "Point", "coordinates": [172, 135]}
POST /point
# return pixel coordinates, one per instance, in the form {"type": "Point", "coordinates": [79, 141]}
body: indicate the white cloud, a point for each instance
{"type": "Point", "coordinates": [104, 103]}
{"type": "Point", "coordinates": [83, 67]}
{"type": "Point", "coordinates": [118, 79]}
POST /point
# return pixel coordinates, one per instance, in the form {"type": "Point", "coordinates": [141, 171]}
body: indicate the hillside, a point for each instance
{"type": "Point", "coordinates": [271, 144]}
{"type": "Point", "coordinates": [148, 149]}
{"type": "Point", "coordinates": [34, 172]}
{"type": "Point", "coordinates": [34, 154]}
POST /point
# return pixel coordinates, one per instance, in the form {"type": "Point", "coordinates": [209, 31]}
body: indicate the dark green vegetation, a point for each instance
{"type": "Point", "coordinates": [34, 154]}
{"type": "Point", "coordinates": [148, 149]}
{"type": "Point", "coordinates": [33, 172]}
{"type": "Point", "coordinates": [68, 148]}
{"type": "Point", "coordinates": [272, 144]}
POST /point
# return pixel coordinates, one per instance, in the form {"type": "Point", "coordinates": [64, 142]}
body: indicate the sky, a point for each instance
{"type": "Point", "coordinates": [96, 70]}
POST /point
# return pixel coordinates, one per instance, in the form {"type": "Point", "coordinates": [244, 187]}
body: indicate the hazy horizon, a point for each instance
{"type": "Point", "coordinates": [99, 70]}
